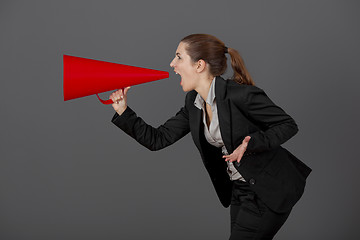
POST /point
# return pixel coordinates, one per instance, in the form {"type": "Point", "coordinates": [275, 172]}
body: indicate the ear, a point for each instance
{"type": "Point", "coordinates": [201, 65]}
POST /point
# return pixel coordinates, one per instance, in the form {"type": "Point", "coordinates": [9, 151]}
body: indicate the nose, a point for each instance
{"type": "Point", "coordinates": [172, 64]}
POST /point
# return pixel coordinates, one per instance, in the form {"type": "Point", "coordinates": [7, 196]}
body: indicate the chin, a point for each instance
{"type": "Point", "coordinates": [185, 89]}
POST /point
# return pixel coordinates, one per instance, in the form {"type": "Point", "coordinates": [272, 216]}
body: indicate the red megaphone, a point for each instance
{"type": "Point", "coordinates": [84, 77]}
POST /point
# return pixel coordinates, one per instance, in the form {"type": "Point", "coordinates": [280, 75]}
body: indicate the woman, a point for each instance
{"type": "Point", "coordinates": [238, 131]}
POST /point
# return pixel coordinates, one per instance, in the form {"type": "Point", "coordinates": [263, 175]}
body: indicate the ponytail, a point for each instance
{"type": "Point", "coordinates": [241, 74]}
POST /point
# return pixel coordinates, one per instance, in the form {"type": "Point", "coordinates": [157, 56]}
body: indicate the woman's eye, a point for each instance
{"type": "Point", "coordinates": [179, 57]}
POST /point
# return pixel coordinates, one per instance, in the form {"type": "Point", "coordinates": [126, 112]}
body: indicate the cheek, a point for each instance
{"type": "Point", "coordinates": [188, 71]}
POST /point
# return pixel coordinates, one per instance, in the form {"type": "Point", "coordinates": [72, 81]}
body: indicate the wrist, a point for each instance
{"type": "Point", "coordinates": [120, 111]}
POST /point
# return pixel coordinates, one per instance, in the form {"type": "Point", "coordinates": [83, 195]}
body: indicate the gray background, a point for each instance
{"type": "Point", "coordinates": [66, 172]}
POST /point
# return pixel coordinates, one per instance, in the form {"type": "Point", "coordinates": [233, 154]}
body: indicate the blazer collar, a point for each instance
{"type": "Point", "coordinates": [220, 88]}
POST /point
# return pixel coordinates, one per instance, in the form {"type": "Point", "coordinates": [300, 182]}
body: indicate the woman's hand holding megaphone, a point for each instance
{"type": "Point", "coordinates": [119, 98]}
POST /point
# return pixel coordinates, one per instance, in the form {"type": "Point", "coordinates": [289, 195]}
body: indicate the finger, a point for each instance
{"type": "Point", "coordinates": [244, 144]}
{"type": "Point", "coordinates": [230, 159]}
{"type": "Point", "coordinates": [117, 100]}
{"type": "Point", "coordinates": [113, 98]}
{"type": "Point", "coordinates": [227, 156]}
{"type": "Point", "coordinates": [239, 158]}
{"type": "Point", "coordinates": [126, 90]}
{"type": "Point", "coordinates": [121, 92]}
{"type": "Point", "coordinates": [246, 139]}
{"type": "Point", "coordinates": [113, 95]}
{"type": "Point", "coordinates": [121, 95]}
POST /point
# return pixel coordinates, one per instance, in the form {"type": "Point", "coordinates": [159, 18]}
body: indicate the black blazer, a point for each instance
{"type": "Point", "coordinates": [276, 176]}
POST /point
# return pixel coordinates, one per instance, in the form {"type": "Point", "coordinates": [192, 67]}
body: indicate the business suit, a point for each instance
{"type": "Point", "coordinates": [274, 174]}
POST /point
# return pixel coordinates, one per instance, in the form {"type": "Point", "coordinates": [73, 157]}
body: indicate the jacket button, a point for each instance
{"type": "Point", "coordinates": [252, 181]}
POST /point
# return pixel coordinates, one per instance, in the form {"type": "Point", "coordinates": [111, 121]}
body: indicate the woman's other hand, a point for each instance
{"type": "Point", "coordinates": [238, 152]}
{"type": "Point", "coordinates": [119, 98]}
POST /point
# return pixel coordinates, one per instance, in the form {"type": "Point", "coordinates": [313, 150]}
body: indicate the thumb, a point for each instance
{"type": "Point", "coordinates": [247, 139]}
{"type": "Point", "coordinates": [126, 90]}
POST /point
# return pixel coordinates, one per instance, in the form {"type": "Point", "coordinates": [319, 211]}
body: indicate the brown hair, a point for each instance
{"type": "Point", "coordinates": [212, 51]}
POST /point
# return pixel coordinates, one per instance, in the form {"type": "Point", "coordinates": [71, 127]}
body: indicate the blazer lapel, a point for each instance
{"type": "Point", "coordinates": [195, 125]}
{"type": "Point", "coordinates": [223, 109]}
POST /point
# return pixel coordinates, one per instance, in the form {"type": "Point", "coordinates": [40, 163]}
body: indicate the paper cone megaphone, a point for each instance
{"type": "Point", "coordinates": [84, 77]}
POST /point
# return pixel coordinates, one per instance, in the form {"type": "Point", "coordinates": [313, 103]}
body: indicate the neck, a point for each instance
{"type": "Point", "coordinates": [204, 86]}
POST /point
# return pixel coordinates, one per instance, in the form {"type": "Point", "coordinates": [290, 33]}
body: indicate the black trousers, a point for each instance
{"type": "Point", "coordinates": [250, 217]}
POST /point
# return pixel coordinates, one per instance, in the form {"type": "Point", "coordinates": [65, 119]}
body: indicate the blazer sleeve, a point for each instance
{"type": "Point", "coordinates": [153, 138]}
{"type": "Point", "coordinates": [276, 127]}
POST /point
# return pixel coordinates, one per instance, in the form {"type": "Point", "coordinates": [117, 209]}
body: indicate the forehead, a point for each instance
{"type": "Point", "coordinates": [181, 48]}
